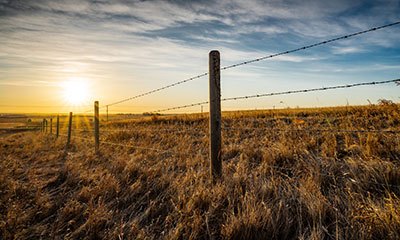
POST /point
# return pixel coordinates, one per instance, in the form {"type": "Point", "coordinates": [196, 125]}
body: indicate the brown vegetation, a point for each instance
{"type": "Point", "coordinates": [280, 180]}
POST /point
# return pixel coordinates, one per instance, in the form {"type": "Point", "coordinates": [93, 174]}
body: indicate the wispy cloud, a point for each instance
{"type": "Point", "coordinates": [164, 41]}
{"type": "Point", "coordinates": [347, 50]}
{"type": "Point", "coordinates": [26, 83]}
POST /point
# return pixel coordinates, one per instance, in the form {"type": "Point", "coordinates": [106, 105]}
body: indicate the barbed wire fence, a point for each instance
{"type": "Point", "coordinates": [283, 93]}
{"type": "Point", "coordinates": [252, 61]}
{"type": "Point", "coordinates": [215, 133]}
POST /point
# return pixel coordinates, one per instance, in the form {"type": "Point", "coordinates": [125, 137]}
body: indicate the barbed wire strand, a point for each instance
{"type": "Point", "coordinates": [283, 93]}
{"type": "Point", "coordinates": [103, 142]}
{"type": "Point", "coordinates": [271, 166]}
{"type": "Point", "coordinates": [268, 120]}
{"type": "Point", "coordinates": [240, 128]}
{"type": "Point", "coordinates": [180, 107]}
{"type": "Point", "coordinates": [148, 131]}
{"type": "Point", "coordinates": [117, 144]}
{"type": "Point", "coordinates": [312, 45]}
{"type": "Point", "coordinates": [159, 89]}
{"type": "Point", "coordinates": [272, 129]}
{"type": "Point", "coordinates": [256, 119]}
{"type": "Point", "coordinates": [136, 147]}
{"type": "Point", "coordinates": [157, 130]}
{"type": "Point", "coordinates": [345, 177]}
{"type": "Point", "coordinates": [128, 119]}
{"type": "Point", "coordinates": [252, 61]}
{"type": "Point", "coordinates": [312, 90]}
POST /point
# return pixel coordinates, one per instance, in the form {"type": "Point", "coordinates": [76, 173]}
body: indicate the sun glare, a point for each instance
{"type": "Point", "coordinates": [75, 91]}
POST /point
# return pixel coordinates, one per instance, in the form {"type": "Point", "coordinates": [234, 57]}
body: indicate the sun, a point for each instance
{"type": "Point", "coordinates": [75, 91]}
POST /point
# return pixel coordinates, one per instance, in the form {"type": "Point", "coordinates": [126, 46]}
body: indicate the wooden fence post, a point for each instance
{"type": "Point", "coordinates": [51, 125]}
{"type": "Point", "coordinates": [58, 126]}
{"type": "Point", "coordinates": [107, 112]}
{"type": "Point", "coordinates": [215, 115]}
{"type": "Point", "coordinates": [96, 126]}
{"type": "Point", "coordinates": [69, 129]}
{"type": "Point", "coordinates": [45, 125]}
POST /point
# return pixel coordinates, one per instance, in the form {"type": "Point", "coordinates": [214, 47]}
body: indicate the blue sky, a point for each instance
{"type": "Point", "coordinates": [124, 48]}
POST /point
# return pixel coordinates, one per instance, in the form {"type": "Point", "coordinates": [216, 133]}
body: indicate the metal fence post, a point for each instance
{"type": "Point", "coordinates": [96, 126]}
{"type": "Point", "coordinates": [215, 115]}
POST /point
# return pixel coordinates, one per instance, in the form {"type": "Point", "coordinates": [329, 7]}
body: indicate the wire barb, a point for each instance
{"type": "Point", "coordinates": [310, 90]}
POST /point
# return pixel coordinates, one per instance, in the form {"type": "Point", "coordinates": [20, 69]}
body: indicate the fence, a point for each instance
{"type": "Point", "coordinates": [215, 120]}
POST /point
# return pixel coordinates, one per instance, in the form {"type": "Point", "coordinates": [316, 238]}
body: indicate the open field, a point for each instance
{"type": "Point", "coordinates": [330, 173]}
{"type": "Point", "coordinates": [13, 123]}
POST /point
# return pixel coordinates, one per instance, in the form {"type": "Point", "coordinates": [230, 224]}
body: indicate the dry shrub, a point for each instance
{"type": "Point", "coordinates": [97, 217]}
{"type": "Point", "coordinates": [379, 219]}
{"type": "Point", "coordinates": [102, 184]}
{"type": "Point", "coordinates": [72, 211]}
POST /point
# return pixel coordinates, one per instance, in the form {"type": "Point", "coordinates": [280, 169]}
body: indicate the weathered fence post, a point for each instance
{"type": "Point", "coordinates": [51, 125]}
{"type": "Point", "coordinates": [107, 112]}
{"type": "Point", "coordinates": [96, 126]}
{"type": "Point", "coordinates": [215, 115]}
{"type": "Point", "coordinates": [58, 126]}
{"type": "Point", "coordinates": [43, 126]}
{"type": "Point", "coordinates": [69, 129]}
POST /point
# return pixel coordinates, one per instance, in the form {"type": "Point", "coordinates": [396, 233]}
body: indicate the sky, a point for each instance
{"type": "Point", "coordinates": [112, 50]}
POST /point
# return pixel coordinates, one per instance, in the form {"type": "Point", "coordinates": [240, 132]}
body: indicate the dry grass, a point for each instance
{"type": "Point", "coordinates": [277, 184]}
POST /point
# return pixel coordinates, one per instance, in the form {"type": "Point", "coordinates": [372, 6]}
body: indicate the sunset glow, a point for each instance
{"type": "Point", "coordinates": [53, 52]}
{"type": "Point", "coordinates": [75, 91]}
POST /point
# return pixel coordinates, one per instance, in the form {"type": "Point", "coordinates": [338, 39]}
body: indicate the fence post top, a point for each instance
{"type": "Point", "coordinates": [214, 52]}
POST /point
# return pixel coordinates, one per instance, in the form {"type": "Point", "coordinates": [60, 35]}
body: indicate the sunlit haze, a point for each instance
{"type": "Point", "coordinates": [76, 91]}
{"type": "Point", "coordinates": [61, 56]}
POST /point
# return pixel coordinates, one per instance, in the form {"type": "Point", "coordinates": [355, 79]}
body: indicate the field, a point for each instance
{"type": "Point", "coordinates": [327, 173]}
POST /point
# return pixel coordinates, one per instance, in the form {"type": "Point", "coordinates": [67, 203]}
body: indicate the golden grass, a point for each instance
{"type": "Point", "coordinates": [277, 183]}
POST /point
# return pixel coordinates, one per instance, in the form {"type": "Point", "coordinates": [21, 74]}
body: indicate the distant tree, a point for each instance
{"type": "Point", "coordinates": [151, 114]}
{"type": "Point", "coordinates": [386, 102]}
